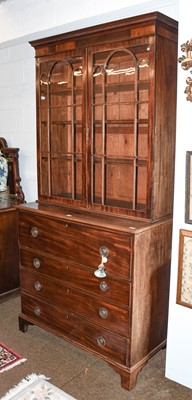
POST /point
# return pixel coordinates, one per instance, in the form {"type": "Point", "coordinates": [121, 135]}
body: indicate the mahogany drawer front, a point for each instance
{"type": "Point", "coordinates": [76, 243]}
{"type": "Point", "coordinates": [77, 276]}
{"type": "Point", "coordinates": [66, 324]}
{"type": "Point", "coordinates": [92, 308]}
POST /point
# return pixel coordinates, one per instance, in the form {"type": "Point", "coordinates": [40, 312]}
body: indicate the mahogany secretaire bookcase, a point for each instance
{"type": "Point", "coordinates": [95, 248]}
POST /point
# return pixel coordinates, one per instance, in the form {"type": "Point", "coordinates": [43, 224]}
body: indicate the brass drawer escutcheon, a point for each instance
{"type": "Point", "coordinates": [37, 311]}
{"type": "Point", "coordinates": [101, 341]}
{"type": "Point", "coordinates": [38, 286]}
{"type": "Point", "coordinates": [104, 286]}
{"type": "Point", "coordinates": [36, 263]}
{"type": "Point", "coordinates": [103, 313]}
{"type": "Point", "coordinates": [34, 231]}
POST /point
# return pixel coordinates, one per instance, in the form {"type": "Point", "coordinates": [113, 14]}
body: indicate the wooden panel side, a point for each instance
{"type": "Point", "coordinates": [165, 128]}
{"type": "Point", "coordinates": [150, 290]}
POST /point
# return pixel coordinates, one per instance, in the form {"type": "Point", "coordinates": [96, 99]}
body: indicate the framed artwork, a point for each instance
{"type": "Point", "coordinates": [184, 283]}
{"type": "Point", "coordinates": [188, 188]}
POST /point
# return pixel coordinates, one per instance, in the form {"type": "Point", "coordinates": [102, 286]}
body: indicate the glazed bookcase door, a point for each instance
{"type": "Point", "coordinates": [121, 128]}
{"type": "Point", "coordinates": [61, 141]}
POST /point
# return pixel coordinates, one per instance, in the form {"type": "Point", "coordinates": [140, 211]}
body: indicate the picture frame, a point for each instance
{"type": "Point", "coordinates": [184, 281]}
{"type": "Point", "coordinates": [188, 188]}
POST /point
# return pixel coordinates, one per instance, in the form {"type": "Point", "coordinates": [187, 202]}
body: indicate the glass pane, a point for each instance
{"type": "Point", "coordinates": [44, 178]}
{"type": "Point", "coordinates": [77, 111]}
{"type": "Point", "coordinates": [143, 140]}
{"type": "Point", "coordinates": [119, 184]}
{"type": "Point", "coordinates": [44, 129]}
{"type": "Point", "coordinates": [61, 77]}
{"type": "Point", "coordinates": [120, 112]}
{"type": "Point", "coordinates": [44, 82]}
{"type": "Point", "coordinates": [120, 134]}
{"type": "Point", "coordinates": [119, 141]}
{"type": "Point", "coordinates": [78, 179]}
{"type": "Point", "coordinates": [141, 198]}
{"type": "Point", "coordinates": [143, 110]}
{"type": "Point", "coordinates": [43, 114]}
{"type": "Point", "coordinates": [77, 94]}
{"type": "Point", "coordinates": [78, 140]}
{"type": "Point", "coordinates": [120, 68]}
{"type": "Point", "coordinates": [61, 177]}
{"type": "Point", "coordinates": [98, 83]}
{"type": "Point", "coordinates": [97, 144]}
{"type": "Point", "coordinates": [120, 86]}
{"type": "Point", "coordinates": [61, 128]}
{"type": "Point", "coordinates": [60, 115]}
{"type": "Point", "coordinates": [97, 182]}
{"type": "Point", "coordinates": [143, 92]}
{"type": "Point", "coordinates": [98, 114]}
{"type": "Point", "coordinates": [143, 98]}
{"type": "Point", "coordinates": [61, 139]}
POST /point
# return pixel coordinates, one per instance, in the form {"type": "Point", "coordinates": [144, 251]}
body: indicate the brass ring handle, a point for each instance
{"type": "Point", "coordinates": [100, 271]}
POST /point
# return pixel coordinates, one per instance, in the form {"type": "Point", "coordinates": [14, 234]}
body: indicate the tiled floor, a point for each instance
{"type": "Point", "coordinates": [78, 373]}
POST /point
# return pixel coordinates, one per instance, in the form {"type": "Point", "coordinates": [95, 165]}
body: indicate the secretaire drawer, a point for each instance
{"type": "Point", "coordinates": [77, 330]}
{"type": "Point", "coordinates": [118, 291]}
{"type": "Point", "coordinates": [90, 307]}
{"type": "Point", "coordinates": [76, 242]}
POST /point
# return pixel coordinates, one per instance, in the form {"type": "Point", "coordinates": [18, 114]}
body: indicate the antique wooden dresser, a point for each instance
{"type": "Point", "coordinates": [95, 248]}
{"type": "Point", "coordinates": [9, 249]}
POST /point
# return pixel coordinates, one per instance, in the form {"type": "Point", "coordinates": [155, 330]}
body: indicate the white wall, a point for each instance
{"type": "Point", "coordinates": [179, 346]}
{"type": "Point", "coordinates": [29, 19]}
{"type": "Point", "coordinates": [17, 109]}
{"type": "Point", "coordinates": [26, 17]}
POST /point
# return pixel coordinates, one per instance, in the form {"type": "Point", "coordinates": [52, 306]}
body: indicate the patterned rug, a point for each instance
{"type": "Point", "coordinates": [8, 358]}
{"type": "Point", "coordinates": [36, 387]}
